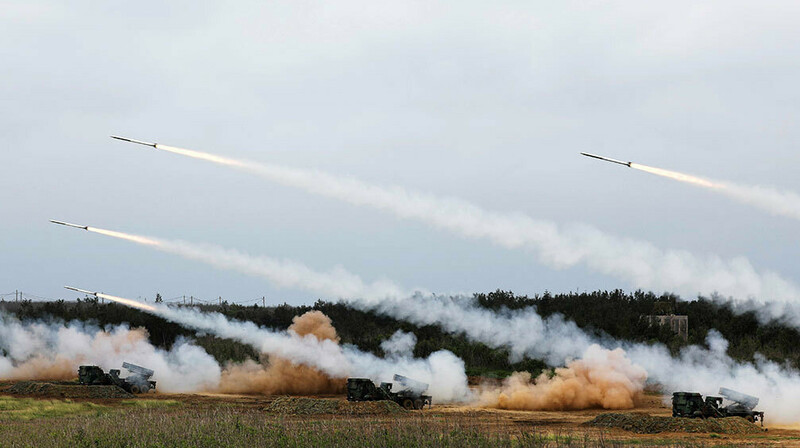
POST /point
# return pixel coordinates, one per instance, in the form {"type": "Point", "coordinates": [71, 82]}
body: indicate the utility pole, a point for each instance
{"type": "Point", "coordinates": [16, 296]}
{"type": "Point", "coordinates": [184, 300]}
{"type": "Point", "coordinates": [264, 301]}
{"type": "Point", "coordinates": [220, 300]}
{"type": "Point", "coordinates": [191, 301]}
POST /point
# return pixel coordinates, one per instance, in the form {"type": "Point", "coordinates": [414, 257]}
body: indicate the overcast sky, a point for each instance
{"type": "Point", "coordinates": [486, 101]}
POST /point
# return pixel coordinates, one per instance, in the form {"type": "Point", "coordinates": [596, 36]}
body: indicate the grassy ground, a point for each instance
{"type": "Point", "coordinates": [30, 408]}
{"type": "Point", "coordinates": [194, 422]}
{"type": "Point", "coordinates": [228, 428]}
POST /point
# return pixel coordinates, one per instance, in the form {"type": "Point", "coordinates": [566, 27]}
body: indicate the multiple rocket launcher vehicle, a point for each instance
{"type": "Point", "coordinates": [692, 405]}
{"type": "Point", "coordinates": [685, 404]}
{"type": "Point", "coordinates": [137, 382]}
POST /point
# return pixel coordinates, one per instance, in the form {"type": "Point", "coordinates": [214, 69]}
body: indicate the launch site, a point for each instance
{"type": "Point", "coordinates": [390, 224]}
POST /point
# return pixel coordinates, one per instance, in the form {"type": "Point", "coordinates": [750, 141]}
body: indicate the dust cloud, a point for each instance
{"type": "Point", "coordinates": [603, 378]}
{"type": "Point", "coordinates": [277, 375]}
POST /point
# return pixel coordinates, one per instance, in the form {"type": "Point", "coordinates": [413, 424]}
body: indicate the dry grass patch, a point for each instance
{"type": "Point", "coordinates": [314, 406]}
{"type": "Point", "coordinates": [646, 424]}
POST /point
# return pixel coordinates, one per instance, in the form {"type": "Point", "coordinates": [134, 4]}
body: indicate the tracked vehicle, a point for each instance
{"type": "Point", "coordinates": [138, 382]}
{"type": "Point", "coordinates": [410, 396]}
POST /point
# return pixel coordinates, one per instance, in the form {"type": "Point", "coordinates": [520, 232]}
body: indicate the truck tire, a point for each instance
{"type": "Point", "coordinates": [135, 389]}
{"type": "Point", "coordinates": [750, 419]}
{"type": "Point", "coordinates": [418, 403]}
{"type": "Point", "coordinates": [408, 404]}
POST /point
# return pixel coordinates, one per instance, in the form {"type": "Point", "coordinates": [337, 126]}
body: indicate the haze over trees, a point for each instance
{"type": "Point", "coordinates": [604, 313]}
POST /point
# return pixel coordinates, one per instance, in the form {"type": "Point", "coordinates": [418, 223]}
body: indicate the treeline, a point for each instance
{"type": "Point", "coordinates": [613, 313]}
{"type": "Point", "coordinates": [619, 314]}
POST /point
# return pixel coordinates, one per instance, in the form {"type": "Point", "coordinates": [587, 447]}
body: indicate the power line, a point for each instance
{"type": "Point", "coordinates": [182, 299]}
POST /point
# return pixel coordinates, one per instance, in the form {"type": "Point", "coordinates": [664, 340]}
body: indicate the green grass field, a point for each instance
{"type": "Point", "coordinates": [30, 408]}
{"type": "Point", "coordinates": [26, 422]}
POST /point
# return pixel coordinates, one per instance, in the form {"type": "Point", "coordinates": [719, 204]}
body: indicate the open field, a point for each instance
{"type": "Point", "coordinates": [237, 420]}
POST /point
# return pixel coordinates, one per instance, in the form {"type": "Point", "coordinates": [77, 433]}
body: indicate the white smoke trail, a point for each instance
{"type": "Point", "coordinates": [639, 263]}
{"type": "Point", "coordinates": [771, 200]}
{"type": "Point", "coordinates": [54, 350]}
{"type": "Point", "coordinates": [284, 273]}
{"type": "Point", "coordinates": [674, 175]}
{"type": "Point", "coordinates": [442, 370]}
{"type": "Point", "coordinates": [780, 203]}
{"type": "Point", "coordinates": [523, 332]}
{"type": "Point", "coordinates": [553, 339]}
{"type": "Point", "coordinates": [389, 298]}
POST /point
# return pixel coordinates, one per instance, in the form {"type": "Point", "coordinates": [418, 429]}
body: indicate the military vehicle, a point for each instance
{"type": "Point", "coordinates": [692, 405]}
{"type": "Point", "coordinates": [138, 382]}
{"type": "Point", "coordinates": [410, 396]}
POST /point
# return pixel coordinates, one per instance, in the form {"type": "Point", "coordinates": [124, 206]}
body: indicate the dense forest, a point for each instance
{"type": "Point", "coordinates": [613, 313]}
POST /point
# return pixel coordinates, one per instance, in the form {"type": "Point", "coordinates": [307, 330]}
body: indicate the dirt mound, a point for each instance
{"type": "Point", "coordinates": [312, 406]}
{"type": "Point", "coordinates": [646, 424]}
{"type": "Point", "coordinates": [66, 390]}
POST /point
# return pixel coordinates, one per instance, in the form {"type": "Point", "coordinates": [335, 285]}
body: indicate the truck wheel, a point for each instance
{"type": "Point", "coordinates": [750, 419]}
{"type": "Point", "coordinates": [418, 404]}
{"type": "Point", "coordinates": [408, 404]}
{"type": "Point", "coordinates": [135, 389]}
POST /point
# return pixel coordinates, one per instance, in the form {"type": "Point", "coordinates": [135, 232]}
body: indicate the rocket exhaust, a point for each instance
{"type": "Point", "coordinates": [607, 159]}
{"type": "Point", "coordinates": [121, 300]}
{"type": "Point", "coordinates": [124, 139]}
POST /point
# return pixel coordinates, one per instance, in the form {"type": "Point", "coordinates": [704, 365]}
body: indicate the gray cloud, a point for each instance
{"type": "Point", "coordinates": [489, 102]}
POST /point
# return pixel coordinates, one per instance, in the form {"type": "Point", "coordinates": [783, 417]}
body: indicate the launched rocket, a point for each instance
{"type": "Point", "coordinates": [81, 290]}
{"type": "Point", "coordinates": [77, 226]}
{"type": "Point", "coordinates": [595, 156]}
{"type": "Point", "coordinates": [124, 139]}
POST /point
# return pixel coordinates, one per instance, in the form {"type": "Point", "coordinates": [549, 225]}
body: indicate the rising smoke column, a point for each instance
{"type": "Point", "coordinates": [276, 375]}
{"type": "Point", "coordinates": [53, 350]}
{"type": "Point", "coordinates": [639, 263]}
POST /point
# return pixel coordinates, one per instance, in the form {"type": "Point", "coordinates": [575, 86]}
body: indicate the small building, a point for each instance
{"type": "Point", "coordinates": [678, 324]}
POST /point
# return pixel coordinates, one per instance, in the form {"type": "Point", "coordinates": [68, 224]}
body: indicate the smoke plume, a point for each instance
{"type": "Point", "coordinates": [277, 375]}
{"type": "Point", "coordinates": [54, 350]}
{"type": "Point", "coordinates": [442, 370]}
{"type": "Point", "coordinates": [385, 296]}
{"type": "Point", "coordinates": [523, 332]}
{"type": "Point", "coordinates": [600, 379]}
{"type": "Point", "coordinates": [771, 200]}
{"type": "Point", "coordinates": [639, 263]}
{"type": "Point", "coordinates": [706, 369]}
